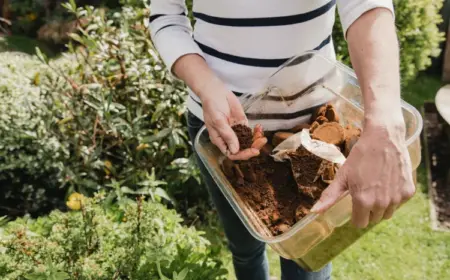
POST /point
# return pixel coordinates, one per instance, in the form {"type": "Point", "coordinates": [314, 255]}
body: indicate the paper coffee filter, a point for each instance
{"type": "Point", "coordinates": [319, 148]}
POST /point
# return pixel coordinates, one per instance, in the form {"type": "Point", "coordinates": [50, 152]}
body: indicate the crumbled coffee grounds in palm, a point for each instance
{"type": "Point", "coordinates": [244, 135]}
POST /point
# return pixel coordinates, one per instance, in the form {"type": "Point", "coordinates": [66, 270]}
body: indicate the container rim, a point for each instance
{"type": "Point", "coordinates": [351, 72]}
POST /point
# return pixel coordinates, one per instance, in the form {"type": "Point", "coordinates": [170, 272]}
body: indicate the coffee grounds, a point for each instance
{"type": "Point", "coordinates": [300, 127]}
{"type": "Point", "coordinates": [332, 133]}
{"type": "Point", "coordinates": [244, 135]}
{"type": "Point", "coordinates": [331, 114]}
{"type": "Point", "coordinates": [352, 135]}
{"type": "Point", "coordinates": [272, 193]}
{"type": "Point", "coordinates": [270, 188]}
{"type": "Point", "coordinates": [306, 168]}
{"type": "Point", "coordinates": [351, 131]}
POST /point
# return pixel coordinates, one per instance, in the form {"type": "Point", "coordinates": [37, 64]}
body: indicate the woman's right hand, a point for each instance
{"type": "Point", "coordinates": [221, 108]}
{"type": "Point", "coordinates": [221, 111]}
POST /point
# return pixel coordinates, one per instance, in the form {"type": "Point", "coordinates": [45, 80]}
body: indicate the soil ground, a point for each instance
{"type": "Point", "coordinates": [438, 148]}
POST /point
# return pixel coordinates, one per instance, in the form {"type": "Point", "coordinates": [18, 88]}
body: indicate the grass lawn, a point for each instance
{"type": "Point", "coordinates": [404, 247]}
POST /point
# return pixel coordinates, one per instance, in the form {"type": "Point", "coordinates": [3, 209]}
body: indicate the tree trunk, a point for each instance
{"type": "Point", "coordinates": [4, 9]}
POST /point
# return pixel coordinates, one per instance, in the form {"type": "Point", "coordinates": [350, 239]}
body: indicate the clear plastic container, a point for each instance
{"type": "Point", "coordinates": [316, 239]}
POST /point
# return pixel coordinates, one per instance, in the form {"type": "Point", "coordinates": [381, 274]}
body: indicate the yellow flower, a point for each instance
{"type": "Point", "coordinates": [75, 200]}
{"type": "Point", "coordinates": [142, 146]}
{"type": "Point", "coordinates": [31, 17]}
{"type": "Point", "coordinates": [37, 79]}
{"type": "Point", "coordinates": [108, 166]}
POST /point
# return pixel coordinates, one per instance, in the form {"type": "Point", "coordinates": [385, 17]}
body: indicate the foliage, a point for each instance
{"type": "Point", "coordinates": [136, 240]}
{"type": "Point", "coordinates": [119, 109]}
{"type": "Point", "coordinates": [27, 16]}
{"type": "Point", "coordinates": [417, 28]}
{"type": "Point", "coordinates": [28, 150]}
{"type": "Point", "coordinates": [110, 113]}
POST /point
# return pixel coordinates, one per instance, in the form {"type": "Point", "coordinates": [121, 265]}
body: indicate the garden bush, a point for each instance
{"type": "Point", "coordinates": [138, 240]}
{"type": "Point", "coordinates": [28, 16]}
{"type": "Point", "coordinates": [417, 27]}
{"type": "Point", "coordinates": [116, 114]}
{"type": "Point", "coordinates": [30, 156]}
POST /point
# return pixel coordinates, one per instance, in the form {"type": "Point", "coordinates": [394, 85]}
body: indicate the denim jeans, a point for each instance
{"type": "Point", "coordinates": [249, 255]}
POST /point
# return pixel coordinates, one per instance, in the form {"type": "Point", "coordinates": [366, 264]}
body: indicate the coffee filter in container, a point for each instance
{"type": "Point", "coordinates": [287, 149]}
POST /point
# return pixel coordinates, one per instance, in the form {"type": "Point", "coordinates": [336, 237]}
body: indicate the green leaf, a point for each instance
{"type": "Point", "coordinates": [160, 273]}
{"type": "Point", "coordinates": [182, 275]}
{"type": "Point", "coordinates": [127, 190]}
{"type": "Point", "coordinates": [73, 5]}
{"type": "Point", "coordinates": [76, 37]}
{"type": "Point", "coordinates": [158, 112]}
{"type": "Point", "coordinates": [3, 221]}
{"type": "Point", "coordinates": [42, 57]}
{"type": "Point", "coordinates": [160, 135]}
{"type": "Point", "coordinates": [92, 105]}
{"type": "Point", "coordinates": [162, 193]}
{"type": "Point", "coordinates": [92, 27]}
{"type": "Point", "coordinates": [152, 183]}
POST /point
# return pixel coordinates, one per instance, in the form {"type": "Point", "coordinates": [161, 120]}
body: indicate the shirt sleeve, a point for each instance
{"type": "Point", "coordinates": [351, 10]}
{"type": "Point", "coordinates": [171, 30]}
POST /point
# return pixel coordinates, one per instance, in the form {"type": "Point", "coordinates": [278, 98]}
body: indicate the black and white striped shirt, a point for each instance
{"type": "Point", "coordinates": [245, 41]}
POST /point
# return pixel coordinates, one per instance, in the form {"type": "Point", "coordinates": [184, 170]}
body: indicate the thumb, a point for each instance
{"type": "Point", "coordinates": [332, 193]}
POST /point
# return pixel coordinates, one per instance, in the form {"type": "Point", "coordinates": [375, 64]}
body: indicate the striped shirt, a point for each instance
{"type": "Point", "coordinates": [245, 41]}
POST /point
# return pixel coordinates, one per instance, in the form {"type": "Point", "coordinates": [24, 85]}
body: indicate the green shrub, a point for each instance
{"type": "Point", "coordinates": [109, 115]}
{"type": "Point", "coordinates": [29, 152]}
{"type": "Point", "coordinates": [119, 110]}
{"type": "Point", "coordinates": [139, 240]}
{"type": "Point", "coordinates": [28, 16]}
{"type": "Point", "coordinates": [417, 27]}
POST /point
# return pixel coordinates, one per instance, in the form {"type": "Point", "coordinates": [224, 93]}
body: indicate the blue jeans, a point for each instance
{"type": "Point", "coordinates": [249, 255]}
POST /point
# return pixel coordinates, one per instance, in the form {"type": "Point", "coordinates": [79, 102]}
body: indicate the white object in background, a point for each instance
{"type": "Point", "coordinates": [442, 101]}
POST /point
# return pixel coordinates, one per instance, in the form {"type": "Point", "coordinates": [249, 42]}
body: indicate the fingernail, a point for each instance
{"type": "Point", "coordinates": [255, 151]}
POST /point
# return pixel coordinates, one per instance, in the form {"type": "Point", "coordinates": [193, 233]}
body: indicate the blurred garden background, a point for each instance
{"type": "Point", "coordinates": [97, 177]}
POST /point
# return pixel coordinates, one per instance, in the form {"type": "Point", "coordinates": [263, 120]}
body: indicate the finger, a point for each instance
{"type": "Point", "coordinates": [332, 193]}
{"type": "Point", "coordinates": [257, 132]}
{"type": "Point", "coordinates": [218, 141]}
{"type": "Point", "coordinates": [390, 212]}
{"type": "Point", "coordinates": [245, 154]}
{"type": "Point", "coordinates": [259, 143]}
{"type": "Point", "coordinates": [360, 213]}
{"type": "Point", "coordinates": [227, 134]}
{"type": "Point", "coordinates": [376, 215]}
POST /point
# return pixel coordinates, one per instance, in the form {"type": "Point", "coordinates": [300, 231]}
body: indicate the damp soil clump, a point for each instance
{"type": "Point", "coordinates": [244, 135]}
{"type": "Point", "coordinates": [282, 193]}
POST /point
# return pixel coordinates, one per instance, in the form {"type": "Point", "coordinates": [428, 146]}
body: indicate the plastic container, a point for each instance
{"type": "Point", "coordinates": [316, 239]}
